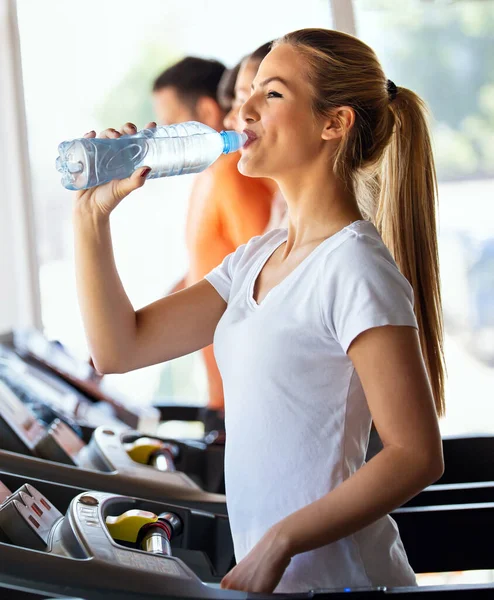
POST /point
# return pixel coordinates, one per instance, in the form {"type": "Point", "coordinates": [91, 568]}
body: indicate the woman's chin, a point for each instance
{"type": "Point", "coordinates": [247, 167]}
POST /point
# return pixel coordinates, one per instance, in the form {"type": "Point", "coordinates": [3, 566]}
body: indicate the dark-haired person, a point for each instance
{"type": "Point", "coordinates": [319, 329]}
{"type": "Point", "coordinates": [189, 89]}
{"type": "Point", "coordinates": [220, 217]}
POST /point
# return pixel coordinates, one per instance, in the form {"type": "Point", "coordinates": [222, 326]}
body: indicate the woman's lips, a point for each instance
{"type": "Point", "coordinates": [251, 138]}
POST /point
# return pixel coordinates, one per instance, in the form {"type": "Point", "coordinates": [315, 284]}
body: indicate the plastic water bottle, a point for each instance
{"type": "Point", "coordinates": [172, 150]}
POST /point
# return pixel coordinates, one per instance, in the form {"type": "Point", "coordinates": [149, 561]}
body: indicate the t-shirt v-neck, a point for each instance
{"type": "Point", "coordinates": [285, 281]}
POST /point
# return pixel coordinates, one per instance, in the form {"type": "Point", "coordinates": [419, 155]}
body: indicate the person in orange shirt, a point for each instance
{"type": "Point", "coordinates": [225, 208]}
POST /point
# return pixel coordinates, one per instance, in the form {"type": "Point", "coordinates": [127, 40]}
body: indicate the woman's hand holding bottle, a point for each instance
{"type": "Point", "coordinates": [100, 201]}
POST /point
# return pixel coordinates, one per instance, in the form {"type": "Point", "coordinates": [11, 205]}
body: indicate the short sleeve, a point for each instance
{"type": "Point", "coordinates": [363, 288]}
{"type": "Point", "coordinates": [221, 277]}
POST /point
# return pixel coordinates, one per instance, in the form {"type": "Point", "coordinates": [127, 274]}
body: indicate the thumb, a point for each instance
{"type": "Point", "coordinates": [225, 582]}
{"type": "Point", "coordinates": [136, 180]}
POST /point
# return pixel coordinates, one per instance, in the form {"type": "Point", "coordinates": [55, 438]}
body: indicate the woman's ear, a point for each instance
{"type": "Point", "coordinates": [336, 126]}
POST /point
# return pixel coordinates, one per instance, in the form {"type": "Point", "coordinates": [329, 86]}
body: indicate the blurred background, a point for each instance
{"type": "Point", "coordinates": [68, 68]}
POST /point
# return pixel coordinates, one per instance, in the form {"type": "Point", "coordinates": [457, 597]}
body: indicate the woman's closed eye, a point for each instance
{"type": "Point", "coordinates": [273, 94]}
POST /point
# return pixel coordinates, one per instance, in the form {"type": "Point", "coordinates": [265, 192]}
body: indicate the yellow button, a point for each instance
{"type": "Point", "coordinates": [141, 449]}
{"type": "Point", "coordinates": [126, 526]}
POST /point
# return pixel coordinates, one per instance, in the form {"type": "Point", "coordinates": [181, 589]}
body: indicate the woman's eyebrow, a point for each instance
{"type": "Point", "coordinates": [269, 79]}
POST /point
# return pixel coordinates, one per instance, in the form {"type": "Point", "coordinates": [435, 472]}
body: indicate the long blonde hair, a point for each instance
{"type": "Point", "coordinates": [387, 159]}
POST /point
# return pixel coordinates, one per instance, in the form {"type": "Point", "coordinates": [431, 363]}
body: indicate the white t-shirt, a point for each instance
{"type": "Point", "coordinates": [296, 416]}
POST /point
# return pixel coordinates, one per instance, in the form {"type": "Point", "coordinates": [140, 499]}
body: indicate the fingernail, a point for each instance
{"type": "Point", "coordinates": [89, 132]}
{"type": "Point", "coordinates": [145, 172]}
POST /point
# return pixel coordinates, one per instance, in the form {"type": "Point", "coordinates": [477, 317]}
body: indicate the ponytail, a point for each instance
{"type": "Point", "coordinates": [406, 218]}
{"type": "Point", "coordinates": [386, 157]}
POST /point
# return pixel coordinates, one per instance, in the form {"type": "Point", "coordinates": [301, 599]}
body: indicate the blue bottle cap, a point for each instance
{"type": "Point", "coordinates": [232, 141]}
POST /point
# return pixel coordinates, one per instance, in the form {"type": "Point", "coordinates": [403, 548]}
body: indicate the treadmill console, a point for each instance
{"type": "Point", "coordinates": [169, 546]}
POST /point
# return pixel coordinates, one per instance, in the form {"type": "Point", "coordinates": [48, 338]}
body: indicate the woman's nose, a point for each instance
{"type": "Point", "coordinates": [247, 112]}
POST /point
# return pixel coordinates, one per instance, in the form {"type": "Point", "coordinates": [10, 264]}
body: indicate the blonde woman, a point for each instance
{"type": "Point", "coordinates": [319, 329]}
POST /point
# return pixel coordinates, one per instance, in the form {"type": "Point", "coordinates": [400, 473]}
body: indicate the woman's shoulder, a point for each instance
{"type": "Point", "coordinates": [362, 254]}
{"type": "Point", "coordinates": [261, 243]}
{"type": "Point", "coordinates": [362, 243]}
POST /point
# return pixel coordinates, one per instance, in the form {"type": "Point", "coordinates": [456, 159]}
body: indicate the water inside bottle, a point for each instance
{"type": "Point", "coordinates": [173, 150]}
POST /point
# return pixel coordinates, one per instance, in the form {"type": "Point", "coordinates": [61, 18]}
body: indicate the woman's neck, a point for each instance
{"type": "Point", "coordinates": [318, 207]}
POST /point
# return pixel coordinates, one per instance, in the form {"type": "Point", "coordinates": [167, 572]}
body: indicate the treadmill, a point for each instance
{"type": "Point", "coordinates": [49, 358]}
{"type": "Point", "coordinates": [49, 397]}
{"type": "Point", "coordinates": [95, 545]}
{"type": "Point", "coordinates": [46, 421]}
{"type": "Point", "coordinates": [115, 460]}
